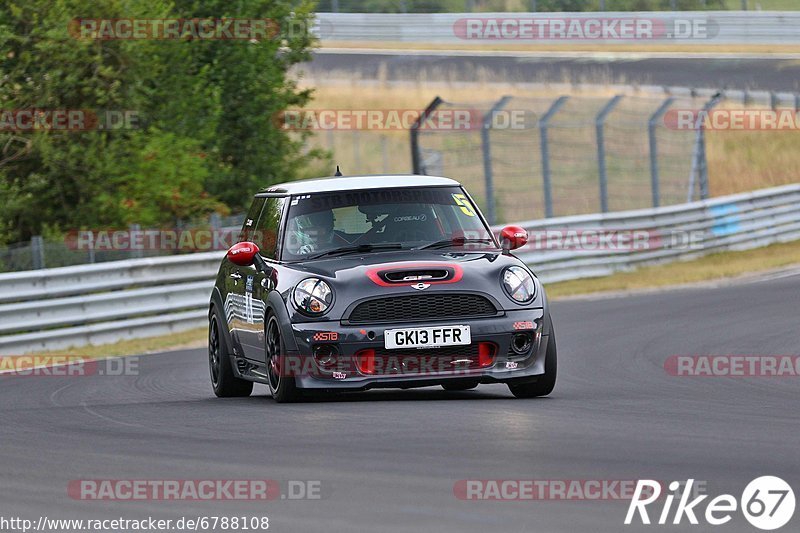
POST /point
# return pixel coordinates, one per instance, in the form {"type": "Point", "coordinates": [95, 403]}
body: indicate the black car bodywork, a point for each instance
{"type": "Point", "coordinates": [263, 330]}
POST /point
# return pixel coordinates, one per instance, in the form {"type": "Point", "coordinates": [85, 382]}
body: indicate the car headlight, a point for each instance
{"type": "Point", "coordinates": [313, 296]}
{"type": "Point", "coordinates": [519, 284]}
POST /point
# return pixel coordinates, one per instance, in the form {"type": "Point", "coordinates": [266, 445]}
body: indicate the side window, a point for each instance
{"type": "Point", "coordinates": [250, 220]}
{"type": "Point", "coordinates": [266, 234]}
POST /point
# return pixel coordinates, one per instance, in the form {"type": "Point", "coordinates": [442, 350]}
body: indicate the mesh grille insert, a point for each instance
{"type": "Point", "coordinates": [422, 307]}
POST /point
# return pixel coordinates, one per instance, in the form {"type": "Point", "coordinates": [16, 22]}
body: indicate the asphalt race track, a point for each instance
{"type": "Point", "coordinates": [753, 73]}
{"type": "Point", "coordinates": [388, 460]}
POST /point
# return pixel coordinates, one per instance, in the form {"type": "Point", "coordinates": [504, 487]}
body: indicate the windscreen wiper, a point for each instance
{"type": "Point", "coordinates": [357, 249]}
{"type": "Point", "coordinates": [457, 241]}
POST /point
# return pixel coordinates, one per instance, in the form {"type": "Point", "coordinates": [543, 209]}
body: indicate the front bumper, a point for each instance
{"type": "Point", "coordinates": [505, 366]}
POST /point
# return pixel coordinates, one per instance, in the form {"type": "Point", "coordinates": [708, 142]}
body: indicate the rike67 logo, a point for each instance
{"type": "Point", "coordinates": [767, 503]}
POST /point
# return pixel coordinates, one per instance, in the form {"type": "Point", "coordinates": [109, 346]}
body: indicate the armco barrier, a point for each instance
{"type": "Point", "coordinates": [681, 27]}
{"type": "Point", "coordinates": [59, 308]}
{"type": "Point", "coordinates": [735, 222]}
{"type": "Point", "coordinates": [94, 304]}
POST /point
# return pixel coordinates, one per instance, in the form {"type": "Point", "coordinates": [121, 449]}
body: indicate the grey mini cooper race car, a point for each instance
{"type": "Point", "coordinates": [354, 283]}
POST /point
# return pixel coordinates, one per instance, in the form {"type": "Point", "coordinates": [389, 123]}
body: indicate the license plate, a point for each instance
{"type": "Point", "coordinates": [430, 337]}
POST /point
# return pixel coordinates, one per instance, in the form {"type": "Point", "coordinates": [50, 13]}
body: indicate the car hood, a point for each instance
{"type": "Point", "coordinates": [356, 277]}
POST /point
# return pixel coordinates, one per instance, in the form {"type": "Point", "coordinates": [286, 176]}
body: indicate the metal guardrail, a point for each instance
{"type": "Point", "coordinates": [63, 307]}
{"type": "Point", "coordinates": [736, 222]}
{"type": "Point", "coordinates": [681, 27]}
{"type": "Point", "coordinates": [96, 304]}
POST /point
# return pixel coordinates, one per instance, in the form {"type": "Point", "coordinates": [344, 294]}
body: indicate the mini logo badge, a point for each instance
{"type": "Point", "coordinates": [420, 286]}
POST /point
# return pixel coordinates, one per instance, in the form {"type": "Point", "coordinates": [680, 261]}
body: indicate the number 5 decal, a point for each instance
{"type": "Point", "coordinates": [463, 203]}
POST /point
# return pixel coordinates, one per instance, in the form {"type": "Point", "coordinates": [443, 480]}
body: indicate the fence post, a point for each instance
{"type": "Point", "coordinates": [486, 147]}
{"type": "Point", "coordinates": [543, 123]}
{"type": "Point", "coordinates": [416, 160]}
{"type": "Point", "coordinates": [37, 252]}
{"type": "Point", "coordinates": [651, 134]}
{"type": "Point", "coordinates": [699, 170]}
{"type": "Point", "coordinates": [601, 150]}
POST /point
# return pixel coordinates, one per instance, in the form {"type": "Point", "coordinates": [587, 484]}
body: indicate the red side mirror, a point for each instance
{"type": "Point", "coordinates": [243, 253]}
{"type": "Point", "coordinates": [513, 237]}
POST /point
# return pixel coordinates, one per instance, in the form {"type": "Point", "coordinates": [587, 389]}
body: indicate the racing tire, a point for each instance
{"type": "Point", "coordinates": [223, 380]}
{"type": "Point", "coordinates": [282, 386]}
{"type": "Point", "coordinates": [547, 381]}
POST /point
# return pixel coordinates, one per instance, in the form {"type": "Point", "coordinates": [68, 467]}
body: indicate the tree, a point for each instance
{"type": "Point", "coordinates": [205, 140]}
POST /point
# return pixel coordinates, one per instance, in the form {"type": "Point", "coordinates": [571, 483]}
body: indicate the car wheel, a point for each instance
{"type": "Point", "coordinates": [546, 382]}
{"type": "Point", "coordinates": [459, 385]}
{"type": "Point", "coordinates": [223, 380]}
{"type": "Point", "coordinates": [281, 385]}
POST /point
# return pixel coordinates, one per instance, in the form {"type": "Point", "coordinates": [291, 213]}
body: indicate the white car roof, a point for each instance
{"type": "Point", "coordinates": [351, 183]}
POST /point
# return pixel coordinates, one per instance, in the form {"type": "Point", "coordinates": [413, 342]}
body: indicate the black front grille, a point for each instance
{"type": "Point", "coordinates": [422, 307]}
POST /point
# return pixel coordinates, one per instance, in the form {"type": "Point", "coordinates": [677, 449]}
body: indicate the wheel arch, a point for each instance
{"type": "Point", "coordinates": [277, 305]}
{"type": "Point", "coordinates": [215, 304]}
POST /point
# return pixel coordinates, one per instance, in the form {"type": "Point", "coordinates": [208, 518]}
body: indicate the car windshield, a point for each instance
{"type": "Point", "coordinates": [325, 224]}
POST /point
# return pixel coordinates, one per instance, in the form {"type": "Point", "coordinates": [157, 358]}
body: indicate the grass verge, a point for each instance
{"type": "Point", "coordinates": [723, 265]}
{"type": "Point", "coordinates": [191, 338]}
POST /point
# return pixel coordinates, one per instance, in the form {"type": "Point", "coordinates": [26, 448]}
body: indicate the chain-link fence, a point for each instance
{"type": "Point", "coordinates": [543, 157]}
{"type": "Point", "coordinates": [548, 155]}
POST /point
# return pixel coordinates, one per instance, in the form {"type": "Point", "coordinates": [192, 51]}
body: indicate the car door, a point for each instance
{"type": "Point", "coordinates": [236, 307]}
{"type": "Point", "coordinates": [257, 285]}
